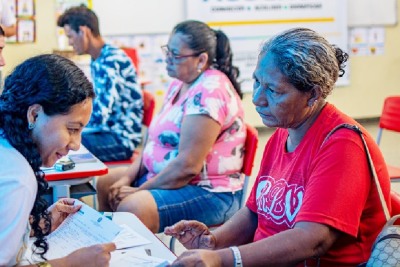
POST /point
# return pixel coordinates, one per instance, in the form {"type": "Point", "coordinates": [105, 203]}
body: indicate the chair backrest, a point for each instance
{"type": "Point", "coordinates": [395, 201]}
{"type": "Point", "coordinates": [149, 104]}
{"type": "Point", "coordinates": [390, 117]}
{"type": "Point", "coordinates": [133, 55]}
{"type": "Point", "coordinates": [250, 148]}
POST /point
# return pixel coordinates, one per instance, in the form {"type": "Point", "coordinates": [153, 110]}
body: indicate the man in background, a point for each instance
{"type": "Point", "coordinates": [7, 19]}
{"type": "Point", "coordinates": [2, 44]}
{"type": "Point", "coordinates": [115, 127]}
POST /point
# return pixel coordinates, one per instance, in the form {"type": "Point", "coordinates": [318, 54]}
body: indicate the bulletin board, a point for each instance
{"type": "Point", "coordinates": [249, 23]}
{"type": "Point", "coordinates": [372, 13]}
{"type": "Point", "coordinates": [122, 17]}
{"type": "Point", "coordinates": [24, 12]}
{"type": "Point", "coordinates": [330, 18]}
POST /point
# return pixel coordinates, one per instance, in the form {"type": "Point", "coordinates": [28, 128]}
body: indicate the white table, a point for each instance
{"type": "Point", "coordinates": [157, 247]}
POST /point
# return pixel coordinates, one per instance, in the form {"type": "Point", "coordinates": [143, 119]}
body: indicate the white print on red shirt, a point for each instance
{"type": "Point", "coordinates": [277, 201]}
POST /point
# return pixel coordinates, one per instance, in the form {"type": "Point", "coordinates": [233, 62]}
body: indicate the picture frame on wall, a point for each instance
{"type": "Point", "coordinates": [25, 8]}
{"type": "Point", "coordinates": [13, 6]}
{"type": "Point", "coordinates": [26, 30]}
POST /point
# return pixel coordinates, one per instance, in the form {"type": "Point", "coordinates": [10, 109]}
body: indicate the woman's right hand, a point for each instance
{"type": "Point", "coordinates": [192, 234]}
{"type": "Point", "coordinates": [96, 255]}
{"type": "Point", "coordinates": [114, 194]}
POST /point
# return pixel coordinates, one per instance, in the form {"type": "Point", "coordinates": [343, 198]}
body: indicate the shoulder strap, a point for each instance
{"type": "Point", "coordinates": [370, 162]}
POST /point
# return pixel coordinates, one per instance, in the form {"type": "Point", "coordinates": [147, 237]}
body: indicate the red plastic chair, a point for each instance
{"type": "Point", "coordinates": [250, 149]}
{"type": "Point", "coordinates": [149, 104]}
{"type": "Point", "coordinates": [133, 55]}
{"type": "Point", "coordinates": [390, 120]}
{"type": "Point", "coordinates": [395, 201]}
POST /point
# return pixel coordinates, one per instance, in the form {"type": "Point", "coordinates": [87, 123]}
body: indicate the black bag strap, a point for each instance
{"type": "Point", "coordinates": [356, 129]}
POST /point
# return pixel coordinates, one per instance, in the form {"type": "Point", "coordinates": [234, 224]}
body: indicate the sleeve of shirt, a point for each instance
{"type": "Point", "coordinates": [210, 99]}
{"type": "Point", "coordinates": [15, 207]}
{"type": "Point", "coordinates": [339, 184]}
{"type": "Point", "coordinates": [7, 16]}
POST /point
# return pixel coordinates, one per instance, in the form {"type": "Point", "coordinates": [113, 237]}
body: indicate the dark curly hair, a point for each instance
{"type": "Point", "coordinates": [307, 59]}
{"type": "Point", "coordinates": [215, 43]}
{"type": "Point", "coordinates": [55, 83]}
{"type": "Point", "coordinates": [78, 16]}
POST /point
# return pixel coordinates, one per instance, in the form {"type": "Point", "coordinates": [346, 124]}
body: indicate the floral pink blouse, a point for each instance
{"type": "Point", "coordinates": [212, 95]}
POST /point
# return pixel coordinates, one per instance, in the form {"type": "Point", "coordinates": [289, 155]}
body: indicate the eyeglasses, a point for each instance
{"type": "Point", "coordinates": [169, 54]}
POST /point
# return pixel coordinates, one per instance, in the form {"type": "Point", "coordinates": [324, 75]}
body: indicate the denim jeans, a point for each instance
{"type": "Point", "coordinates": [193, 203]}
{"type": "Point", "coordinates": [105, 146]}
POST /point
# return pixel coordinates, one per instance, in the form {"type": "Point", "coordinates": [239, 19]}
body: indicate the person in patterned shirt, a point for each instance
{"type": "Point", "coordinates": [194, 152]}
{"type": "Point", "coordinates": [114, 130]}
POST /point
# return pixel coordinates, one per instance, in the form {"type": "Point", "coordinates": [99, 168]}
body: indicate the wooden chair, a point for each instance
{"type": "Point", "coordinates": [250, 149]}
{"type": "Point", "coordinates": [390, 120]}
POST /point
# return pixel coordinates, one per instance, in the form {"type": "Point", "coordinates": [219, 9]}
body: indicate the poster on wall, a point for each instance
{"type": "Point", "coordinates": [25, 30]}
{"type": "Point", "coordinates": [24, 12]}
{"type": "Point", "coordinates": [249, 23]}
{"type": "Point", "coordinates": [25, 8]}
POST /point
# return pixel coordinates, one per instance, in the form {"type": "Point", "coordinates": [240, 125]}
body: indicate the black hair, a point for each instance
{"type": "Point", "coordinates": [80, 16]}
{"type": "Point", "coordinates": [2, 33]}
{"type": "Point", "coordinates": [55, 83]}
{"type": "Point", "coordinates": [201, 38]}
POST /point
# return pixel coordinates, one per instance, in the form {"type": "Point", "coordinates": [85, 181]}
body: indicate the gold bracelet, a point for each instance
{"type": "Point", "coordinates": [43, 264]}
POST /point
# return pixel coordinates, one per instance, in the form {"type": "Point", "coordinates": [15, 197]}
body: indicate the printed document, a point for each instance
{"type": "Point", "coordinates": [84, 228]}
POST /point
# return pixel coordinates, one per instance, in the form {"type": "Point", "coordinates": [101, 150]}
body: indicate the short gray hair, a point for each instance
{"type": "Point", "coordinates": [306, 59]}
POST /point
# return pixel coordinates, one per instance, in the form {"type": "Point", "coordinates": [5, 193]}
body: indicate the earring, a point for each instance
{"type": "Point", "coordinates": [312, 103]}
{"type": "Point", "coordinates": [199, 70]}
{"type": "Point", "coordinates": [31, 125]}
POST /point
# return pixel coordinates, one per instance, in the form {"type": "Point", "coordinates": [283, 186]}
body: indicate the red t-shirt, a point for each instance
{"type": "Point", "coordinates": [329, 184]}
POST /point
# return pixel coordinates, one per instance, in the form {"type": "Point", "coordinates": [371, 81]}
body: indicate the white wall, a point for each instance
{"type": "Point", "coordinates": [372, 78]}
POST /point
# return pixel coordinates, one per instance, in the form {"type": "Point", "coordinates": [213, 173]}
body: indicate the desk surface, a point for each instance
{"type": "Point", "coordinates": [157, 247]}
{"type": "Point", "coordinates": [81, 170]}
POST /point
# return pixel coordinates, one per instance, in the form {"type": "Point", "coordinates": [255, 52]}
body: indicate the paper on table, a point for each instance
{"type": "Point", "coordinates": [127, 238]}
{"type": "Point", "coordinates": [129, 258]}
{"type": "Point", "coordinates": [82, 157]}
{"type": "Point", "coordinates": [84, 228]}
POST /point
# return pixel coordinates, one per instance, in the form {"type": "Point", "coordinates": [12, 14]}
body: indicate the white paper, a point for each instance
{"type": "Point", "coordinates": [129, 258]}
{"type": "Point", "coordinates": [127, 238]}
{"type": "Point", "coordinates": [84, 228]}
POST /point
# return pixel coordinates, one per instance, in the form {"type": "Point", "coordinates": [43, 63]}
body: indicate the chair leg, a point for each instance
{"type": "Point", "coordinates": [172, 244]}
{"type": "Point", "coordinates": [95, 195]}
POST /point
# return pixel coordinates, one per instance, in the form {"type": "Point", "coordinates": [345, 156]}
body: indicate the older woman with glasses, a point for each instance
{"type": "Point", "coordinates": [190, 167]}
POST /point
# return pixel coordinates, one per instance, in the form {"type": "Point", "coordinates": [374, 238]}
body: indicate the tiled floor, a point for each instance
{"type": "Point", "coordinates": [390, 146]}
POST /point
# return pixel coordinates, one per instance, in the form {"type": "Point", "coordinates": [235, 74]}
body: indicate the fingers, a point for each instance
{"type": "Point", "coordinates": [180, 228]}
{"type": "Point", "coordinates": [109, 247]}
{"type": "Point", "coordinates": [112, 198]}
{"type": "Point", "coordinates": [116, 195]}
{"type": "Point", "coordinates": [176, 229]}
{"type": "Point", "coordinates": [67, 208]}
{"type": "Point", "coordinates": [67, 201]}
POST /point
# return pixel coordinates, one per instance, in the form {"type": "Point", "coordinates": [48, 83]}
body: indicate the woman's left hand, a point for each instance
{"type": "Point", "coordinates": [198, 257]}
{"type": "Point", "coordinates": [60, 210]}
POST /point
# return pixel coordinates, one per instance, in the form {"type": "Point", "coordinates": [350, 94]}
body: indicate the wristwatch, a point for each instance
{"type": "Point", "coordinates": [43, 264]}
